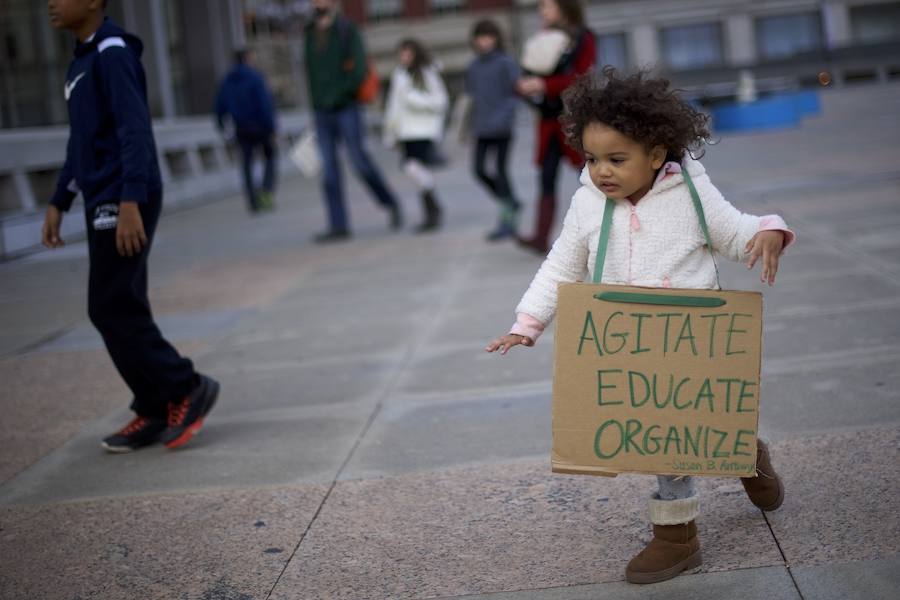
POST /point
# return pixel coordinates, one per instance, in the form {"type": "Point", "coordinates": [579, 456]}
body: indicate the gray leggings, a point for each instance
{"type": "Point", "coordinates": [673, 487]}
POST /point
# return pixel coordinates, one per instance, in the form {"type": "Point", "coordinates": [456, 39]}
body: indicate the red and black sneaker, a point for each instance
{"type": "Point", "coordinates": [140, 432]}
{"type": "Point", "coordinates": [186, 416]}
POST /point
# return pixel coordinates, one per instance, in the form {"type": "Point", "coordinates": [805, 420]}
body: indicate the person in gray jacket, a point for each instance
{"type": "Point", "coordinates": [491, 83]}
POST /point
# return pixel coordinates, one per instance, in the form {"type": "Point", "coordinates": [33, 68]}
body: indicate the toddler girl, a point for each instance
{"type": "Point", "coordinates": [637, 136]}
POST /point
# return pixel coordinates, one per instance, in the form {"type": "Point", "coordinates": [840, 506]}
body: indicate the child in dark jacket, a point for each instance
{"type": "Point", "coordinates": [491, 83]}
{"type": "Point", "coordinates": [111, 159]}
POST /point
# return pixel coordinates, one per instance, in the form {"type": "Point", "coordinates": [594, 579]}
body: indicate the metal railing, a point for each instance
{"type": "Point", "coordinates": [195, 161]}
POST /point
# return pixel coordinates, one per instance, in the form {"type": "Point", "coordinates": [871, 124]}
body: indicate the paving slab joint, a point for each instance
{"type": "Point", "coordinates": [787, 565]}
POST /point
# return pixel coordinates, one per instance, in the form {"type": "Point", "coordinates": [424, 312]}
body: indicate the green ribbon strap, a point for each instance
{"type": "Point", "coordinates": [604, 239]}
{"type": "Point", "coordinates": [660, 299]}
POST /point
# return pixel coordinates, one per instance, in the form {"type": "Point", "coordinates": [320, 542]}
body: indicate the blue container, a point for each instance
{"type": "Point", "coordinates": [774, 112]}
{"type": "Point", "coordinates": [807, 102]}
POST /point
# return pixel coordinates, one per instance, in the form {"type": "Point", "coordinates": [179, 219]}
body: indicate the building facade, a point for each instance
{"type": "Point", "coordinates": [701, 44]}
{"type": "Point", "coordinates": [695, 41]}
{"type": "Point", "coordinates": [188, 43]}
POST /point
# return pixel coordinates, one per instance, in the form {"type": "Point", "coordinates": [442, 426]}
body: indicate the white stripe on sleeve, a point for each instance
{"type": "Point", "coordinates": [111, 42]}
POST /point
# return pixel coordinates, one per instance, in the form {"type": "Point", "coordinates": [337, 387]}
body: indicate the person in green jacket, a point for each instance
{"type": "Point", "coordinates": [336, 67]}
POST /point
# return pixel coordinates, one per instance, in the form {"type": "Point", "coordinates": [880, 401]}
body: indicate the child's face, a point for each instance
{"type": "Point", "coordinates": [620, 166]}
{"type": "Point", "coordinates": [70, 14]}
{"type": "Point", "coordinates": [405, 56]}
{"type": "Point", "coordinates": [484, 43]}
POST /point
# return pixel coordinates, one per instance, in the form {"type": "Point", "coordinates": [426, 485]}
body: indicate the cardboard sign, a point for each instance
{"type": "Point", "coordinates": [652, 380]}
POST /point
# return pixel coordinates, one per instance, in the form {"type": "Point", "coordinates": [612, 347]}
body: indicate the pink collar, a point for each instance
{"type": "Point", "coordinates": [670, 168]}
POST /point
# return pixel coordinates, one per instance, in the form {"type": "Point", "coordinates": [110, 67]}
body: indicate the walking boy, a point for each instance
{"type": "Point", "coordinates": [111, 160]}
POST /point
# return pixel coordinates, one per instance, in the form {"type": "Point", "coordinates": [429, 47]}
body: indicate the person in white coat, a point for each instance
{"type": "Point", "coordinates": [636, 135]}
{"type": "Point", "coordinates": [414, 117]}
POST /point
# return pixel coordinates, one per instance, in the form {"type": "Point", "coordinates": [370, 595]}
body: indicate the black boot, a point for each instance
{"type": "Point", "coordinates": [432, 213]}
{"type": "Point", "coordinates": [395, 216]}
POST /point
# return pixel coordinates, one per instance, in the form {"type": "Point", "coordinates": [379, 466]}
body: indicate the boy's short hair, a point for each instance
{"type": "Point", "coordinates": [644, 108]}
{"type": "Point", "coordinates": [489, 28]}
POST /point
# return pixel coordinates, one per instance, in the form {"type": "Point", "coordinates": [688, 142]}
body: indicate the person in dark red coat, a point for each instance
{"type": "Point", "coordinates": [544, 92]}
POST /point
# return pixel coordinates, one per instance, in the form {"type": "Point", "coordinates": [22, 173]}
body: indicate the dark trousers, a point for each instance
{"type": "Point", "coordinates": [248, 144]}
{"type": "Point", "coordinates": [120, 310]}
{"type": "Point", "coordinates": [550, 168]}
{"type": "Point", "coordinates": [497, 184]}
{"type": "Point", "coordinates": [332, 127]}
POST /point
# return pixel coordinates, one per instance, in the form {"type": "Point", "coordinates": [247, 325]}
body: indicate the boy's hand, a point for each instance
{"type": "Point", "coordinates": [50, 230]}
{"type": "Point", "coordinates": [768, 245]}
{"type": "Point", "coordinates": [505, 342]}
{"type": "Point", "coordinates": [130, 236]}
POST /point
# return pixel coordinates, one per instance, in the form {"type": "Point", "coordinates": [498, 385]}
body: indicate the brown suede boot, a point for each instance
{"type": "Point", "coordinates": [765, 490]}
{"type": "Point", "coordinates": [673, 550]}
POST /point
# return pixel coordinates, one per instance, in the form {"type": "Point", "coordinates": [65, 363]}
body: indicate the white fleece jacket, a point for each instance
{"type": "Point", "coordinates": [413, 113]}
{"type": "Point", "coordinates": [657, 242]}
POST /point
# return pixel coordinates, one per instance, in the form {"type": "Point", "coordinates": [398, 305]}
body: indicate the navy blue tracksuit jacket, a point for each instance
{"type": "Point", "coordinates": [111, 155]}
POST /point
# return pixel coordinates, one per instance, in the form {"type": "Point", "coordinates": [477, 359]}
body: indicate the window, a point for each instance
{"type": "Point", "coordinates": [876, 23]}
{"type": "Point", "coordinates": [612, 49]}
{"type": "Point", "coordinates": [443, 6]}
{"type": "Point", "coordinates": [692, 46]}
{"type": "Point", "coordinates": [787, 35]}
{"type": "Point", "coordinates": [383, 9]}
{"type": "Point", "coordinates": [271, 18]}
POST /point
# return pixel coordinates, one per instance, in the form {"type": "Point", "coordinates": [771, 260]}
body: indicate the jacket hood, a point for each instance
{"type": "Point", "coordinates": [694, 167]}
{"type": "Point", "coordinates": [109, 29]}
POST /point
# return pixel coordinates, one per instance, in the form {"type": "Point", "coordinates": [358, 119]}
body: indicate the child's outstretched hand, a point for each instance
{"type": "Point", "coordinates": [505, 342]}
{"type": "Point", "coordinates": [768, 245]}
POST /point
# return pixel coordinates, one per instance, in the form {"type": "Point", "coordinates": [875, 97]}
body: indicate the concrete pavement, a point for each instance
{"type": "Point", "coordinates": [366, 447]}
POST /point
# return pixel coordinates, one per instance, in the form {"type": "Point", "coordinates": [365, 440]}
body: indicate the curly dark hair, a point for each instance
{"type": "Point", "coordinates": [639, 106]}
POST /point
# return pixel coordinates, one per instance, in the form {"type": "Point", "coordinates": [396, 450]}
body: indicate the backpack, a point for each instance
{"type": "Point", "coordinates": [370, 87]}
